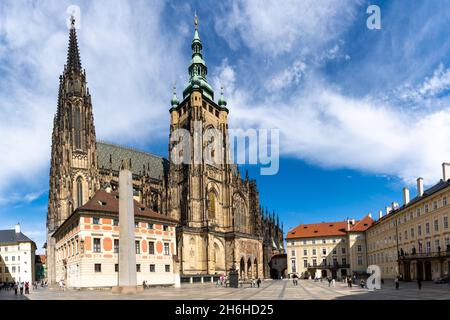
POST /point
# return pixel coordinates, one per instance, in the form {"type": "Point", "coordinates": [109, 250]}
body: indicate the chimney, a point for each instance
{"type": "Point", "coordinates": [445, 171]}
{"type": "Point", "coordinates": [380, 214]}
{"type": "Point", "coordinates": [388, 210]}
{"type": "Point", "coordinates": [419, 187]}
{"type": "Point", "coordinates": [17, 227]}
{"type": "Point", "coordinates": [405, 196]}
{"type": "Point", "coordinates": [394, 206]}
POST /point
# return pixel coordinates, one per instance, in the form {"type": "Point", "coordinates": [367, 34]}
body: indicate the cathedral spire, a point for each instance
{"type": "Point", "coordinates": [197, 69]}
{"type": "Point", "coordinates": [73, 55]}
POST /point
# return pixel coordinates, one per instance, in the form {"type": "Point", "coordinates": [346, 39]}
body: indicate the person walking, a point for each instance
{"type": "Point", "coordinates": [15, 288]}
{"type": "Point", "coordinates": [419, 283]}
{"type": "Point", "coordinates": [258, 282]}
{"type": "Point", "coordinates": [397, 284]}
{"type": "Point", "coordinates": [21, 288]}
{"type": "Point", "coordinates": [27, 287]}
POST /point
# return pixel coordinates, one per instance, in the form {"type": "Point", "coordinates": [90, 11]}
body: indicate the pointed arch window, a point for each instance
{"type": "Point", "coordinates": [77, 128]}
{"type": "Point", "coordinates": [211, 205]}
{"type": "Point", "coordinates": [79, 192]}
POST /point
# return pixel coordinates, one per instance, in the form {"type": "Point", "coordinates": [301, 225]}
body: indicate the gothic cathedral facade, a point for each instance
{"type": "Point", "coordinates": [220, 221]}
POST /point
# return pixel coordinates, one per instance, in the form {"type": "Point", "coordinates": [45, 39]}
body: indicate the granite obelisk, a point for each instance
{"type": "Point", "coordinates": [127, 282]}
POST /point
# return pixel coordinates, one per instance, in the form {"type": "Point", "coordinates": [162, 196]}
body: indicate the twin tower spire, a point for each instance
{"type": "Point", "coordinates": [197, 70]}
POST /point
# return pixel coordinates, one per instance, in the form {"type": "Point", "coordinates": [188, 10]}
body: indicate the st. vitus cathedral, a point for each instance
{"type": "Point", "coordinates": [221, 222]}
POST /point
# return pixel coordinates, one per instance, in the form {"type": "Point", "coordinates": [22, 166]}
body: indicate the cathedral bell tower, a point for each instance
{"type": "Point", "coordinates": [199, 192]}
{"type": "Point", "coordinates": [73, 170]}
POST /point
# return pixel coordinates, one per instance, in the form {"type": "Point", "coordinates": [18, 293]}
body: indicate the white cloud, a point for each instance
{"type": "Point", "coordinates": [276, 28]}
{"type": "Point", "coordinates": [318, 121]}
{"type": "Point", "coordinates": [288, 77]}
{"type": "Point", "coordinates": [440, 81]}
{"type": "Point", "coordinates": [224, 75]}
{"type": "Point", "coordinates": [322, 126]}
{"type": "Point", "coordinates": [129, 71]}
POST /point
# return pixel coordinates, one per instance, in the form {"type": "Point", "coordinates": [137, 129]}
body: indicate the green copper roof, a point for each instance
{"type": "Point", "coordinates": [174, 102]}
{"type": "Point", "coordinates": [196, 36]}
{"type": "Point", "coordinates": [222, 101]}
{"type": "Point", "coordinates": [155, 166]}
{"type": "Point", "coordinates": [197, 69]}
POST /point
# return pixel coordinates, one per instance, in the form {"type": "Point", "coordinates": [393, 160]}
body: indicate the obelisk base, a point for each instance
{"type": "Point", "coordinates": [127, 289]}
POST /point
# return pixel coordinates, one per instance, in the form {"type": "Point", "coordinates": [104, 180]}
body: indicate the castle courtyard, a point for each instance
{"type": "Point", "coordinates": [270, 289]}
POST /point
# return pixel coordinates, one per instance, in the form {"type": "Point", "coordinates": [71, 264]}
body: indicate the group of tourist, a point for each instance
{"type": "Point", "coordinates": [20, 286]}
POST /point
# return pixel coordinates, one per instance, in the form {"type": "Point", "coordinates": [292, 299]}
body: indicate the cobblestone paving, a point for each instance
{"type": "Point", "coordinates": [270, 289]}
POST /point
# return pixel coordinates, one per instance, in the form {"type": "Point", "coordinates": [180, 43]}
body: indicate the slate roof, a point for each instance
{"type": "Point", "coordinates": [10, 236]}
{"type": "Point", "coordinates": [427, 193]}
{"type": "Point", "coordinates": [437, 187]}
{"type": "Point", "coordinates": [154, 165]}
{"type": "Point", "coordinates": [328, 229]}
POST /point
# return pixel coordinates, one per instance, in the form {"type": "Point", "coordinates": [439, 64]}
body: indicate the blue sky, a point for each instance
{"type": "Point", "coordinates": [362, 113]}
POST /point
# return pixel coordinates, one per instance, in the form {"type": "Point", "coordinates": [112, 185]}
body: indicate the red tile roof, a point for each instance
{"type": "Point", "coordinates": [363, 224]}
{"type": "Point", "coordinates": [108, 203]}
{"type": "Point", "coordinates": [103, 201]}
{"type": "Point", "coordinates": [328, 229]}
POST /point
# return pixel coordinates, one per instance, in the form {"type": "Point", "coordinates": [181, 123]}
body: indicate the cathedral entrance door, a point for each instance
{"type": "Point", "coordinates": [242, 269]}
{"type": "Point", "coordinates": [249, 269]}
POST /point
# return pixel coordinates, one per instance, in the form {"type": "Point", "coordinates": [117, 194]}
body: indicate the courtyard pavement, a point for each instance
{"type": "Point", "coordinates": [270, 289]}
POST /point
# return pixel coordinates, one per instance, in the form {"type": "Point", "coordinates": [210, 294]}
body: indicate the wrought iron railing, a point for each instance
{"type": "Point", "coordinates": [431, 254]}
{"type": "Point", "coordinates": [329, 265]}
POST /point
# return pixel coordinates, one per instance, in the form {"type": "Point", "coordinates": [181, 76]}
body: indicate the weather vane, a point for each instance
{"type": "Point", "coordinates": [195, 20]}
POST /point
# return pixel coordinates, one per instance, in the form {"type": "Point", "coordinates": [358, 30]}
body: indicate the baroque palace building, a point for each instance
{"type": "Point", "coordinates": [411, 241]}
{"type": "Point", "coordinates": [217, 214]}
{"type": "Point", "coordinates": [328, 249]}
